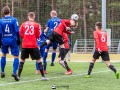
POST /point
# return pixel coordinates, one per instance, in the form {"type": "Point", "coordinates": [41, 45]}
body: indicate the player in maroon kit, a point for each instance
{"type": "Point", "coordinates": [67, 47]}
{"type": "Point", "coordinates": [29, 32]}
{"type": "Point", "coordinates": [56, 36]}
{"type": "Point", "coordinates": [101, 49]}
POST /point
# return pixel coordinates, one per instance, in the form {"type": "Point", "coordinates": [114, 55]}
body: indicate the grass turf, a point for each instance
{"type": "Point", "coordinates": [101, 78]}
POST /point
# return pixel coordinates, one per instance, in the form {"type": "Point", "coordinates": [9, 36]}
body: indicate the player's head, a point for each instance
{"type": "Point", "coordinates": [53, 13]}
{"type": "Point", "coordinates": [31, 15]}
{"type": "Point", "coordinates": [6, 10]}
{"type": "Point", "coordinates": [74, 19]}
{"type": "Point", "coordinates": [98, 25]}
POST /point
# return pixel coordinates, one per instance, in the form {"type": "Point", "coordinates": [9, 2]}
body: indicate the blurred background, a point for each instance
{"type": "Point", "coordinates": [89, 11]}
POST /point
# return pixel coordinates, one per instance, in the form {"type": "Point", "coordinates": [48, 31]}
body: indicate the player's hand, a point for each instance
{"type": "Point", "coordinates": [67, 28]}
{"type": "Point", "coordinates": [72, 32]}
{"type": "Point", "coordinates": [99, 50]}
{"type": "Point", "coordinates": [18, 42]}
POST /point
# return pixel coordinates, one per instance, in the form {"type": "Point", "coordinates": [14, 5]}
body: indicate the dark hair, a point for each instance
{"type": "Point", "coordinates": [98, 24]}
{"type": "Point", "coordinates": [6, 10]}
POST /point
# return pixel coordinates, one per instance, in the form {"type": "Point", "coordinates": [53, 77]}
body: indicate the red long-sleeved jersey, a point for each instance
{"type": "Point", "coordinates": [29, 32]}
{"type": "Point", "coordinates": [100, 40]}
{"type": "Point", "coordinates": [62, 26]}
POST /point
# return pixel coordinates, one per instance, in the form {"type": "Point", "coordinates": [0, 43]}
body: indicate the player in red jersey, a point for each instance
{"type": "Point", "coordinates": [56, 35]}
{"type": "Point", "coordinates": [67, 47]}
{"type": "Point", "coordinates": [101, 49]}
{"type": "Point", "coordinates": [29, 32]}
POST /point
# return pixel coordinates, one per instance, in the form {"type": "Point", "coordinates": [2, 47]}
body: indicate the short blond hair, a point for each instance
{"type": "Point", "coordinates": [31, 15]}
{"type": "Point", "coordinates": [53, 13]}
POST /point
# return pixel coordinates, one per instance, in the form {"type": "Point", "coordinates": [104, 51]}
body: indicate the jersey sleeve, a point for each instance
{"type": "Point", "coordinates": [21, 31]}
{"type": "Point", "coordinates": [97, 42]}
{"type": "Point", "coordinates": [38, 31]}
{"type": "Point", "coordinates": [16, 26]}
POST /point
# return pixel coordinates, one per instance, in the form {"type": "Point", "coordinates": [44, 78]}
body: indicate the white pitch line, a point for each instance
{"type": "Point", "coordinates": [49, 78]}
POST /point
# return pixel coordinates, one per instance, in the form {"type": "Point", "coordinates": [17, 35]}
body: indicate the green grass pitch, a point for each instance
{"type": "Point", "coordinates": [101, 78]}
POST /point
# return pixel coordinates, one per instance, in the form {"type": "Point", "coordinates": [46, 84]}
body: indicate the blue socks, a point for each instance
{"type": "Point", "coordinates": [15, 65]}
{"type": "Point", "coordinates": [3, 63]}
{"type": "Point", "coordinates": [53, 56]}
{"type": "Point", "coordinates": [37, 68]}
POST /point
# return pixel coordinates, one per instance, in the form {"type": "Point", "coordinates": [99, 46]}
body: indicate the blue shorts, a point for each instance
{"type": "Point", "coordinates": [53, 44]}
{"type": "Point", "coordinates": [14, 49]}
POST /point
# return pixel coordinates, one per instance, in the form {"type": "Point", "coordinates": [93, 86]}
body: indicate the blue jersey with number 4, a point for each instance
{"type": "Point", "coordinates": [9, 30]}
{"type": "Point", "coordinates": [52, 23]}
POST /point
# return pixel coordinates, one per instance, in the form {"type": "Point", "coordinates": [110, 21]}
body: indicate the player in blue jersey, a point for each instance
{"type": "Point", "coordinates": [9, 33]}
{"type": "Point", "coordinates": [51, 24]}
{"type": "Point", "coordinates": [40, 40]}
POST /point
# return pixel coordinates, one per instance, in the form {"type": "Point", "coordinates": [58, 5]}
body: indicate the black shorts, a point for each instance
{"type": "Point", "coordinates": [33, 52]}
{"type": "Point", "coordinates": [66, 51]}
{"type": "Point", "coordinates": [104, 55]}
{"type": "Point", "coordinates": [55, 37]}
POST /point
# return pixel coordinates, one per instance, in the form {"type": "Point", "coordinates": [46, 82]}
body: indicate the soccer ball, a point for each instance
{"type": "Point", "coordinates": [74, 17]}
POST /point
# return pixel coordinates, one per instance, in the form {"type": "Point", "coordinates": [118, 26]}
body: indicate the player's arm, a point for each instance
{"type": "Point", "coordinates": [46, 29]}
{"type": "Point", "coordinates": [63, 23]}
{"type": "Point", "coordinates": [38, 31]}
{"type": "Point", "coordinates": [16, 26]}
{"type": "Point", "coordinates": [21, 31]}
{"type": "Point", "coordinates": [97, 41]}
{"type": "Point", "coordinates": [0, 36]}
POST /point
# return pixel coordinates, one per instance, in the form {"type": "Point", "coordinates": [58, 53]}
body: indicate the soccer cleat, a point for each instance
{"type": "Point", "coordinates": [117, 75]}
{"type": "Point", "coordinates": [44, 79]}
{"type": "Point", "coordinates": [15, 77]}
{"type": "Point", "coordinates": [37, 72]}
{"type": "Point", "coordinates": [45, 72]}
{"type": "Point", "coordinates": [52, 64]}
{"type": "Point", "coordinates": [68, 72]}
{"type": "Point", "coordinates": [2, 75]}
{"type": "Point", "coordinates": [87, 76]}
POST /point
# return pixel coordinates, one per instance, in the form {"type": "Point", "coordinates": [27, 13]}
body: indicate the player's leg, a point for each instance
{"type": "Point", "coordinates": [69, 55]}
{"type": "Point", "coordinates": [47, 42]}
{"type": "Point", "coordinates": [3, 64]}
{"type": "Point", "coordinates": [105, 57]}
{"type": "Point", "coordinates": [96, 55]}
{"type": "Point", "coordinates": [15, 52]}
{"type": "Point", "coordinates": [3, 60]}
{"type": "Point", "coordinates": [45, 57]}
{"type": "Point", "coordinates": [35, 55]}
{"type": "Point", "coordinates": [55, 45]}
{"type": "Point", "coordinates": [37, 68]}
{"type": "Point", "coordinates": [24, 55]}
{"type": "Point", "coordinates": [63, 61]}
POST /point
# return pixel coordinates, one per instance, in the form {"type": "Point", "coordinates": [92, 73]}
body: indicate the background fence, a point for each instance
{"type": "Point", "coordinates": [89, 12]}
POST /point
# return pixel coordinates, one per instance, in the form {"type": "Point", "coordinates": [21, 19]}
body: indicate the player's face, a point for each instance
{"type": "Point", "coordinates": [74, 24]}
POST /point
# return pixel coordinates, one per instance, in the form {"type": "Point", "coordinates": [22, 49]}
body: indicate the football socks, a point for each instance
{"type": "Point", "coordinates": [15, 65]}
{"type": "Point", "coordinates": [53, 56]}
{"type": "Point", "coordinates": [90, 68]}
{"type": "Point", "coordinates": [41, 69]}
{"type": "Point", "coordinates": [20, 68]}
{"type": "Point", "coordinates": [3, 63]}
